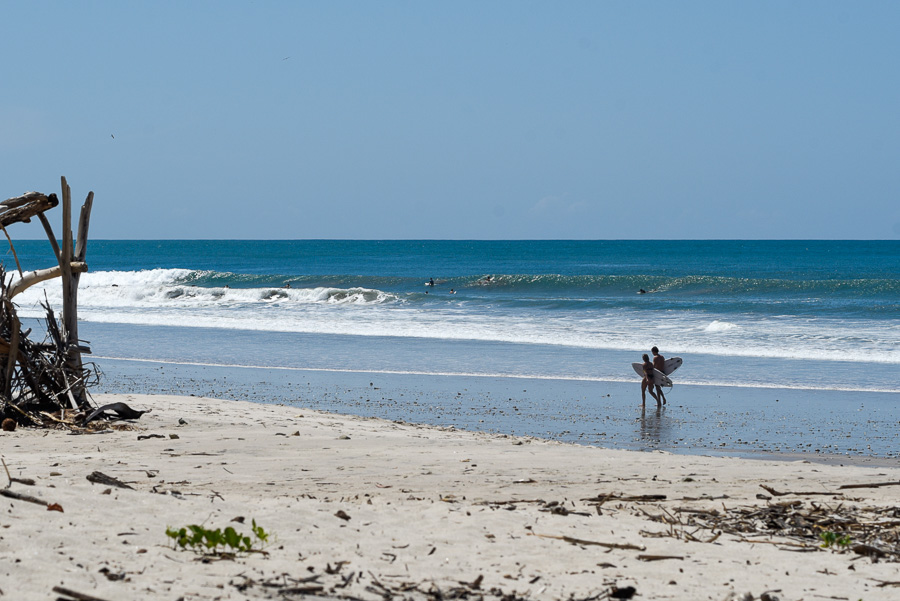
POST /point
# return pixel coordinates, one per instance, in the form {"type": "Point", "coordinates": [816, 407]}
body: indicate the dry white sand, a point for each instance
{"type": "Point", "coordinates": [365, 508]}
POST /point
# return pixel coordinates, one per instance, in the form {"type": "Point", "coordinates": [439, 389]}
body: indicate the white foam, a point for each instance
{"type": "Point", "coordinates": [720, 326]}
{"type": "Point", "coordinates": [168, 289]}
{"type": "Point", "coordinates": [166, 297]}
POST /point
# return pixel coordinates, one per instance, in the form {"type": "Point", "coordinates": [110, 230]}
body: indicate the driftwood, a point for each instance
{"type": "Point", "coordinates": [796, 525]}
{"type": "Point", "coordinates": [38, 379]}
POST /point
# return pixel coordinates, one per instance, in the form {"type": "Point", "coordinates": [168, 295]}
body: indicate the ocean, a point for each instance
{"type": "Point", "coordinates": [814, 319]}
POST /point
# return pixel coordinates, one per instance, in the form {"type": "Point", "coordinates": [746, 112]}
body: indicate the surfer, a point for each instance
{"type": "Point", "coordinates": [431, 281]}
{"type": "Point", "coordinates": [647, 382]}
{"type": "Point", "coordinates": [642, 291]}
{"type": "Point", "coordinates": [659, 363]}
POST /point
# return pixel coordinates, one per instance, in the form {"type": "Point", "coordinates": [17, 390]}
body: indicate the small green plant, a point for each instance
{"type": "Point", "coordinates": [831, 539]}
{"type": "Point", "coordinates": [217, 542]}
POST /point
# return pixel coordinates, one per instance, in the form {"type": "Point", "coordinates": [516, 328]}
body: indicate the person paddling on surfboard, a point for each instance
{"type": "Point", "coordinates": [659, 363]}
{"type": "Point", "coordinates": [647, 382]}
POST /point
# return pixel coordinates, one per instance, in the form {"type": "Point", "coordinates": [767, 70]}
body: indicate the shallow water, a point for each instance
{"type": "Point", "coordinates": [705, 420]}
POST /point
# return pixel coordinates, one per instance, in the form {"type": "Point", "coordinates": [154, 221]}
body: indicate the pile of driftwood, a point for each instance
{"type": "Point", "coordinates": [795, 525]}
{"type": "Point", "coordinates": [41, 381]}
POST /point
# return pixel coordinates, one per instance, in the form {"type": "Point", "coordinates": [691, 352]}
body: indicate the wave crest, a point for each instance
{"type": "Point", "coordinates": [179, 288]}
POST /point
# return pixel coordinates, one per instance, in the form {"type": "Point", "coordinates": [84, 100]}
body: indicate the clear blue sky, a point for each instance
{"type": "Point", "coordinates": [458, 119]}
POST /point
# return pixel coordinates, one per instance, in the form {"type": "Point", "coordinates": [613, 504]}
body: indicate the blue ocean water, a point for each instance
{"type": "Point", "coordinates": [795, 314]}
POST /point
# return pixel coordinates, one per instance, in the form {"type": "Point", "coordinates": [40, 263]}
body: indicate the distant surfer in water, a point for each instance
{"type": "Point", "coordinates": [647, 382]}
{"type": "Point", "coordinates": [431, 281]}
{"type": "Point", "coordinates": [659, 363]}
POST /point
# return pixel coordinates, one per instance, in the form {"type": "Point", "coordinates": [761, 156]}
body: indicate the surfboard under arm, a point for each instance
{"type": "Point", "coordinates": [659, 378]}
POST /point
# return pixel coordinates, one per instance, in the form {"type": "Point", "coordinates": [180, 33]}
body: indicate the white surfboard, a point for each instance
{"type": "Point", "coordinates": [671, 365]}
{"type": "Point", "coordinates": [659, 378]}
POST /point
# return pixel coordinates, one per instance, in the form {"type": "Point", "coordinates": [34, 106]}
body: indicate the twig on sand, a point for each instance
{"type": "Point", "coordinates": [75, 594]}
{"type": "Point", "coordinates": [578, 541]}
{"type": "Point", "coordinates": [25, 481]}
{"type": "Point", "coordinates": [603, 498]}
{"type": "Point", "coordinates": [873, 485]}
{"type": "Point", "coordinates": [776, 493]}
{"type": "Point", "coordinates": [19, 496]}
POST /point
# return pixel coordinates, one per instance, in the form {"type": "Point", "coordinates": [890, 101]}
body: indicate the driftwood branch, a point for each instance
{"type": "Point", "coordinates": [22, 208]}
{"type": "Point", "coordinates": [15, 327]}
{"type": "Point", "coordinates": [776, 493]}
{"type": "Point", "coordinates": [75, 594]}
{"type": "Point", "coordinates": [13, 249]}
{"type": "Point", "coordinates": [22, 497]}
{"type": "Point", "coordinates": [84, 222]}
{"type": "Point", "coordinates": [51, 236]}
{"type": "Point", "coordinates": [41, 275]}
{"type": "Point", "coordinates": [873, 485]}
{"type": "Point", "coordinates": [578, 541]}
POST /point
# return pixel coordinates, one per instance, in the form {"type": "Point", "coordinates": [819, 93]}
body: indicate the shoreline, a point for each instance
{"type": "Point", "coordinates": [825, 427]}
{"type": "Point", "coordinates": [359, 506]}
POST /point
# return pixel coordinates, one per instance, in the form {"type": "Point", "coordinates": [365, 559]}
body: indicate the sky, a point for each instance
{"type": "Point", "coordinates": [457, 120]}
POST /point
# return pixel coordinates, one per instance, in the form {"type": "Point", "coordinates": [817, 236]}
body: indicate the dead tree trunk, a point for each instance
{"type": "Point", "coordinates": [70, 277]}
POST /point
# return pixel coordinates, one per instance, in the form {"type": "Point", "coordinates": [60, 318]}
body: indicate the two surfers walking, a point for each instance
{"type": "Point", "coordinates": [648, 382]}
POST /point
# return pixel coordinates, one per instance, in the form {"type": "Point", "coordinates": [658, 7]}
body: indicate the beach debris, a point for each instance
{"type": "Point", "coordinates": [114, 576]}
{"type": "Point", "coordinates": [794, 525]}
{"type": "Point", "coordinates": [42, 382]}
{"type": "Point", "coordinates": [101, 478]}
{"type": "Point", "coordinates": [603, 498]}
{"type": "Point", "coordinates": [121, 410]}
{"type": "Point", "coordinates": [74, 595]}
{"type": "Point", "coordinates": [776, 493]}
{"type": "Point", "coordinates": [625, 592]}
{"type": "Point", "coordinates": [11, 494]}
{"type": "Point", "coordinates": [342, 514]}
{"type": "Point", "coordinates": [644, 557]}
{"type": "Point", "coordinates": [284, 586]}
{"type": "Point", "coordinates": [579, 541]}
{"type": "Point", "coordinates": [872, 485]}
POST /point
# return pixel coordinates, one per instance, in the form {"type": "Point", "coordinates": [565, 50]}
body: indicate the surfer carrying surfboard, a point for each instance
{"type": "Point", "coordinates": [659, 363]}
{"type": "Point", "coordinates": [647, 382]}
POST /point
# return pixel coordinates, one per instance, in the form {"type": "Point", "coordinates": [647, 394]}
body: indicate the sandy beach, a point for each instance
{"type": "Point", "coordinates": [373, 509]}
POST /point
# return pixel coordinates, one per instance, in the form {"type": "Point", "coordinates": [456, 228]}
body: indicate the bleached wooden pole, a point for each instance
{"type": "Point", "coordinates": [70, 278]}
